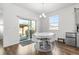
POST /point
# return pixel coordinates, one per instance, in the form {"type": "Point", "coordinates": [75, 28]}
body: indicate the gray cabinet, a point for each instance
{"type": "Point", "coordinates": [77, 15]}
{"type": "Point", "coordinates": [77, 39]}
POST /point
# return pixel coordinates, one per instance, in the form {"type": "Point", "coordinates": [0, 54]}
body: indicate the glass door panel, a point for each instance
{"type": "Point", "coordinates": [26, 29]}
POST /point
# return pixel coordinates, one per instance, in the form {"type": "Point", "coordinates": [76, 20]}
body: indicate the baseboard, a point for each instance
{"type": "Point", "coordinates": [12, 45]}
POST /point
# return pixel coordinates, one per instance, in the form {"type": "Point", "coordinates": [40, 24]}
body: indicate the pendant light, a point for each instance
{"type": "Point", "coordinates": [43, 14]}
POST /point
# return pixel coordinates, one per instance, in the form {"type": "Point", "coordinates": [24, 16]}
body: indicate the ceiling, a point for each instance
{"type": "Point", "coordinates": [43, 7]}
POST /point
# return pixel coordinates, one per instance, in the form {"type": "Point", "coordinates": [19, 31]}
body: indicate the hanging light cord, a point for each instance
{"type": "Point", "coordinates": [43, 14]}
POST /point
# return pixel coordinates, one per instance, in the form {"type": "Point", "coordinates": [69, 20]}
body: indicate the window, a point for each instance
{"type": "Point", "coordinates": [54, 22]}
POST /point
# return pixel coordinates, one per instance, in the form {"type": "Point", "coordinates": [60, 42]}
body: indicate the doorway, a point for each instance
{"type": "Point", "coordinates": [26, 30]}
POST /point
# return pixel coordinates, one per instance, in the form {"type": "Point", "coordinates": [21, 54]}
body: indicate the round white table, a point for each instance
{"type": "Point", "coordinates": [43, 41]}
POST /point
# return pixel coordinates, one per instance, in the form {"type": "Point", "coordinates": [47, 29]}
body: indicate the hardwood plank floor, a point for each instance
{"type": "Point", "coordinates": [58, 49]}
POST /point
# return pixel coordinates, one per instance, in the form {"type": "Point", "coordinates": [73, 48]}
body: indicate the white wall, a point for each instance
{"type": "Point", "coordinates": [11, 30]}
{"type": "Point", "coordinates": [67, 20]}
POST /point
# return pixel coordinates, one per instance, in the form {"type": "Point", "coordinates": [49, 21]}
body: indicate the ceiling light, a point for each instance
{"type": "Point", "coordinates": [40, 16]}
{"type": "Point", "coordinates": [43, 14]}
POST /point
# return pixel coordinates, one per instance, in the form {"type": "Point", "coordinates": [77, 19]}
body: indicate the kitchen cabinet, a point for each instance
{"type": "Point", "coordinates": [77, 15]}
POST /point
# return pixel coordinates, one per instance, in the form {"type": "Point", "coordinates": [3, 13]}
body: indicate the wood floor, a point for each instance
{"type": "Point", "coordinates": [58, 49]}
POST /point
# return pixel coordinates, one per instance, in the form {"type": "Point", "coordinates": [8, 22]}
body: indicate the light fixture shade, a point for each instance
{"type": "Point", "coordinates": [40, 16]}
{"type": "Point", "coordinates": [43, 15]}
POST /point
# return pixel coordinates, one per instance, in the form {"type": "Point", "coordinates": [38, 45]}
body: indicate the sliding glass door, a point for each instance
{"type": "Point", "coordinates": [32, 28]}
{"type": "Point", "coordinates": [26, 29]}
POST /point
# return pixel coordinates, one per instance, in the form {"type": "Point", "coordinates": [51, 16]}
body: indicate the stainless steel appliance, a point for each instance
{"type": "Point", "coordinates": [71, 38]}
